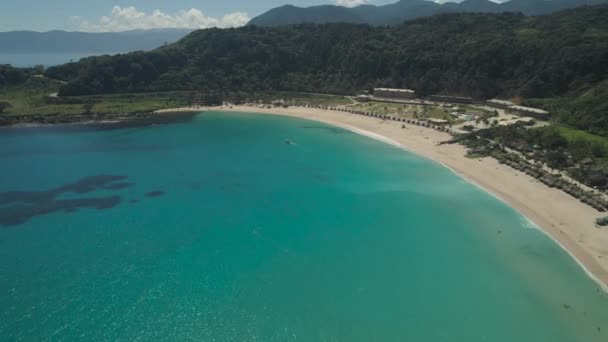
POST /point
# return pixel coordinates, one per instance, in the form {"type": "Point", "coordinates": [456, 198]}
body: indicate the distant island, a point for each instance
{"type": "Point", "coordinates": [394, 14]}
{"type": "Point", "coordinates": [23, 42]}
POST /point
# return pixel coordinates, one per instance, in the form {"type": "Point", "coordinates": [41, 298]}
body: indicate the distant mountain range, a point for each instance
{"type": "Point", "coordinates": [86, 42]}
{"type": "Point", "coordinates": [405, 10]}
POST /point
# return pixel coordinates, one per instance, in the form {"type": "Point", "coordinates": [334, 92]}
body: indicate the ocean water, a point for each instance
{"type": "Point", "coordinates": [218, 230]}
{"type": "Point", "coordinates": [24, 60]}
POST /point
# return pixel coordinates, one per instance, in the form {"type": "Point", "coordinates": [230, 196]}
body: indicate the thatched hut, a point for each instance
{"type": "Point", "coordinates": [602, 222]}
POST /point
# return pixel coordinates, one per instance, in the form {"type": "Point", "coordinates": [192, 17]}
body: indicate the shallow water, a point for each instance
{"type": "Point", "coordinates": [217, 229]}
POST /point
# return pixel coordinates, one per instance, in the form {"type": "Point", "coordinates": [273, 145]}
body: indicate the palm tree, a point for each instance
{"type": "Point", "coordinates": [485, 121]}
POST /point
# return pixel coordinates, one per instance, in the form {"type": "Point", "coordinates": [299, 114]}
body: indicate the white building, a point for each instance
{"type": "Point", "coordinates": [519, 110]}
{"type": "Point", "coordinates": [393, 93]}
{"type": "Point", "coordinates": [364, 98]}
{"type": "Point", "coordinates": [529, 111]}
{"type": "Point", "coordinates": [500, 103]}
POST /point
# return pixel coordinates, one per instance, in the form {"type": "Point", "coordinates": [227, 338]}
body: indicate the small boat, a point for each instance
{"type": "Point", "coordinates": [288, 142]}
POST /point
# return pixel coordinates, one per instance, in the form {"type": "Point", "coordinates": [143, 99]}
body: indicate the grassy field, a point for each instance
{"type": "Point", "coordinates": [32, 98]}
{"type": "Point", "coordinates": [29, 98]}
{"type": "Point", "coordinates": [384, 108]}
{"type": "Point", "coordinates": [437, 113]}
{"type": "Point", "coordinates": [586, 141]}
{"type": "Point", "coordinates": [573, 134]}
{"type": "Point", "coordinates": [126, 103]}
{"type": "Point", "coordinates": [409, 111]}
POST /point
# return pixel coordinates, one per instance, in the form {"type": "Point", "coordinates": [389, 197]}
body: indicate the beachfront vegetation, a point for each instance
{"type": "Point", "coordinates": [588, 111]}
{"type": "Point", "coordinates": [387, 108]}
{"type": "Point", "coordinates": [286, 98]}
{"type": "Point", "coordinates": [480, 55]}
{"type": "Point", "coordinates": [412, 110]}
{"type": "Point", "coordinates": [581, 155]}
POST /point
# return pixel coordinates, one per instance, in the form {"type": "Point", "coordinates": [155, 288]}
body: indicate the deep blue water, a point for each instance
{"type": "Point", "coordinates": [217, 230]}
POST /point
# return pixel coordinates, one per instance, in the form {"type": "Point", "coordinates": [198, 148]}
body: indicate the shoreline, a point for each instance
{"type": "Point", "coordinates": [557, 215]}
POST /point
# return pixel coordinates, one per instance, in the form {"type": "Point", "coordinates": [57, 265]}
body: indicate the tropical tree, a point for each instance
{"type": "Point", "coordinates": [87, 108]}
{"type": "Point", "coordinates": [485, 121]}
{"type": "Point", "coordinates": [4, 106]}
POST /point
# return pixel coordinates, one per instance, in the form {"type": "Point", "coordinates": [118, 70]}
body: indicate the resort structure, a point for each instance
{"type": "Point", "coordinates": [529, 111]}
{"type": "Point", "coordinates": [502, 104]}
{"type": "Point", "coordinates": [392, 93]}
{"type": "Point", "coordinates": [363, 98]}
{"type": "Point", "coordinates": [519, 110]}
{"type": "Point", "coordinates": [452, 99]}
{"type": "Point", "coordinates": [438, 121]}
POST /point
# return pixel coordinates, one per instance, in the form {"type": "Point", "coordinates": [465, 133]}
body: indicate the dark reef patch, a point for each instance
{"type": "Point", "coordinates": [156, 193]}
{"type": "Point", "coordinates": [20, 214]}
{"type": "Point", "coordinates": [195, 186]}
{"type": "Point", "coordinates": [118, 186]}
{"type": "Point", "coordinates": [17, 207]}
{"type": "Point", "coordinates": [322, 177]}
{"type": "Point", "coordinates": [62, 123]}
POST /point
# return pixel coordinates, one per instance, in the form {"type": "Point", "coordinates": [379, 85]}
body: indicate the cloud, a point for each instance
{"type": "Point", "coordinates": [349, 3]}
{"type": "Point", "coordinates": [129, 18]}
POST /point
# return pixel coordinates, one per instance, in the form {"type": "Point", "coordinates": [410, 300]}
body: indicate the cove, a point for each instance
{"type": "Point", "coordinates": [218, 229]}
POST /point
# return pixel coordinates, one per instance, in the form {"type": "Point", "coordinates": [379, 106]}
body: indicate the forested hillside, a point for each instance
{"type": "Point", "coordinates": [481, 55]}
{"type": "Point", "coordinates": [10, 76]}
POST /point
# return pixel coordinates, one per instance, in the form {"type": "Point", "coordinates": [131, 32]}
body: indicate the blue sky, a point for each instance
{"type": "Point", "coordinates": [86, 15]}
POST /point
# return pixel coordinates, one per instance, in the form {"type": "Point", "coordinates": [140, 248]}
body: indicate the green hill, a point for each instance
{"type": "Point", "coordinates": [402, 10]}
{"type": "Point", "coordinates": [288, 14]}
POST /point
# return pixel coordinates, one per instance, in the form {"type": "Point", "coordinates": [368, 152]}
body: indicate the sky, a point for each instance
{"type": "Point", "coordinates": [121, 15]}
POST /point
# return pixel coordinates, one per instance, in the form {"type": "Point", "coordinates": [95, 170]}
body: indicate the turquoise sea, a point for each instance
{"type": "Point", "coordinates": [218, 230]}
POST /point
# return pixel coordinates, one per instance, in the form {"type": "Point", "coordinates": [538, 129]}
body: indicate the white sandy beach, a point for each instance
{"type": "Point", "coordinates": [562, 217]}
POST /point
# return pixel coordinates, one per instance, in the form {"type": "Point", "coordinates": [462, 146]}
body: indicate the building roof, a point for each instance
{"type": "Point", "coordinates": [501, 102]}
{"type": "Point", "coordinates": [530, 109]}
{"type": "Point", "coordinates": [451, 97]}
{"type": "Point", "coordinates": [395, 90]}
